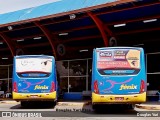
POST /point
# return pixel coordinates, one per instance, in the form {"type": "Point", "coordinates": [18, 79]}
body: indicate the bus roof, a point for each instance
{"type": "Point", "coordinates": [25, 56]}
{"type": "Point", "coordinates": [118, 47]}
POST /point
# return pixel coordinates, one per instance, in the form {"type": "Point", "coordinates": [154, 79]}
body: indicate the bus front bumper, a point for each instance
{"type": "Point", "coordinates": [34, 96]}
{"type": "Point", "coordinates": [122, 99]}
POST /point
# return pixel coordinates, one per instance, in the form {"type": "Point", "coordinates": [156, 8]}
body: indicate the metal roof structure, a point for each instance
{"type": "Point", "coordinates": [57, 7]}
{"type": "Point", "coordinates": [67, 28]}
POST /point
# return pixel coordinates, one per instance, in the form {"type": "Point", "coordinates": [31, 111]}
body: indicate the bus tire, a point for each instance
{"type": "Point", "coordinates": [131, 106]}
{"type": "Point", "coordinates": [94, 107]}
{"type": "Point", "coordinates": [23, 104]}
{"type": "Point", "coordinates": [53, 103]}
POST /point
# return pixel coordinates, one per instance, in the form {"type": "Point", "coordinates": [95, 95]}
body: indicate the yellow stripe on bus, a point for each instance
{"type": "Point", "coordinates": [33, 96]}
{"type": "Point", "coordinates": [134, 98]}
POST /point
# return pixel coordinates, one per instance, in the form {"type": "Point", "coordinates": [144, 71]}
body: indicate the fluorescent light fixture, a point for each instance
{"type": "Point", "coordinates": [1, 42]}
{"type": "Point", "coordinates": [37, 38]}
{"type": "Point", "coordinates": [151, 20]}
{"type": "Point", "coordinates": [20, 40]}
{"type": "Point", "coordinates": [139, 44]}
{"type": "Point", "coordinates": [63, 34]}
{"type": "Point", "coordinates": [83, 50]}
{"type": "Point", "coordinates": [4, 58]}
{"type": "Point", "coordinates": [120, 25]}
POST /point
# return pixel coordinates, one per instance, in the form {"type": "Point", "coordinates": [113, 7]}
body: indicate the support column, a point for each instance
{"type": "Point", "coordinates": [49, 36]}
{"type": "Point", "coordinates": [104, 30]}
{"type": "Point", "coordinates": [12, 45]}
{"type": "Point", "coordinates": [9, 43]}
{"type": "Point", "coordinates": [99, 25]}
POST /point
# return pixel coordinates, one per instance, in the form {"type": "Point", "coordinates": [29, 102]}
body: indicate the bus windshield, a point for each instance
{"type": "Point", "coordinates": [118, 61]}
{"type": "Point", "coordinates": [33, 67]}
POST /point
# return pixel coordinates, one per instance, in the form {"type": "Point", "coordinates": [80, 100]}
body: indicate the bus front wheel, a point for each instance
{"type": "Point", "coordinates": [94, 106]}
{"type": "Point", "coordinates": [51, 103]}
{"type": "Point", "coordinates": [54, 103]}
{"type": "Point", "coordinates": [131, 106]}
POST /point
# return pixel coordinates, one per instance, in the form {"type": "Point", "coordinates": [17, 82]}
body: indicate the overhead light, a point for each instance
{"type": "Point", "coordinates": [37, 38]}
{"type": "Point", "coordinates": [4, 58]}
{"type": "Point", "coordinates": [10, 27]}
{"type": "Point", "coordinates": [63, 34]}
{"type": "Point", "coordinates": [20, 40]}
{"type": "Point", "coordinates": [83, 50]}
{"type": "Point", "coordinates": [119, 25]}
{"type": "Point", "coordinates": [1, 42]}
{"type": "Point", "coordinates": [151, 20]}
{"type": "Point", "coordinates": [139, 44]}
{"type": "Point", "coordinates": [72, 16]}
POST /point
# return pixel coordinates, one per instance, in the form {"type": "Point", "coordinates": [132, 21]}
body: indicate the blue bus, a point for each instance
{"type": "Point", "coordinates": [34, 79]}
{"type": "Point", "coordinates": [118, 76]}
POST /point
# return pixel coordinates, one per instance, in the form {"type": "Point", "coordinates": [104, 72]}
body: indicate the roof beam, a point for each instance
{"type": "Point", "coordinates": [138, 31]}
{"type": "Point", "coordinates": [75, 29]}
{"type": "Point", "coordinates": [28, 37]}
{"type": "Point", "coordinates": [37, 45]}
{"type": "Point", "coordinates": [9, 43]}
{"type": "Point", "coordinates": [80, 38]}
{"type": "Point", "coordinates": [13, 47]}
{"type": "Point", "coordinates": [100, 26]}
{"type": "Point", "coordinates": [133, 20]}
{"type": "Point", "coordinates": [49, 36]}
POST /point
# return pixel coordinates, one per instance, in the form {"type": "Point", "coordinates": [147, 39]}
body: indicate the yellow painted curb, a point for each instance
{"type": "Point", "coordinates": [148, 107]}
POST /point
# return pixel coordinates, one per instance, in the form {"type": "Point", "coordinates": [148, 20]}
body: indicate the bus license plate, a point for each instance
{"type": "Point", "coordinates": [34, 96]}
{"type": "Point", "coordinates": [119, 98]}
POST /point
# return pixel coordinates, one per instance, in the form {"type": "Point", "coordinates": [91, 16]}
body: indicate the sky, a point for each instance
{"type": "Point", "coordinates": [14, 5]}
